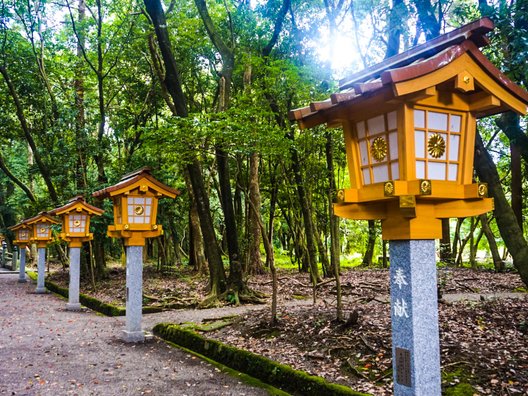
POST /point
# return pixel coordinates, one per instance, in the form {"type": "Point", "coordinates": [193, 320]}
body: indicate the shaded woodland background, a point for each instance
{"type": "Point", "coordinates": [200, 91]}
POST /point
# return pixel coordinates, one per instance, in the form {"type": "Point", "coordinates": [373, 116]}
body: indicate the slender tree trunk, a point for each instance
{"type": "Point", "coordinates": [445, 243]}
{"type": "Point", "coordinates": [255, 261]}
{"type": "Point", "coordinates": [80, 119]}
{"type": "Point", "coordinates": [371, 243]}
{"type": "Point", "coordinates": [516, 183]}
{"type": "Point", "coordinates": [333, 219]}
{"type": "Point", "coordinates": [506, 220]}
{"type": "Point", "coordinates": [306, 212]}
{"type": "Point", "coordinates": [498, 264]}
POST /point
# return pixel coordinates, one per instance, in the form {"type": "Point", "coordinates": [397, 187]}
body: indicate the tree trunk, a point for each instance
{"type": "Point", "coordinates": [217, 279]}
{"type": "Point", "coordinates": [371, 243]}
{"type": "Point", "coordinates": [516, 183]}
{"type": "Point", "coordinates": [506, 220]}
{"type": "Point", "coordinates": [497, 260]}
{"type": "Point", "coordinates": [334, 220]}
{"type": "Point", "coordinates": [306, 212]}
{"type": "Point", "coordinates": [445, 243]}
{"type": "Point", "coordinates": [255, 261]}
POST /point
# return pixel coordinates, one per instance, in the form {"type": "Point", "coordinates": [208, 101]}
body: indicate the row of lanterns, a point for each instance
{"type": "Point", "coordinates": [135, 200]}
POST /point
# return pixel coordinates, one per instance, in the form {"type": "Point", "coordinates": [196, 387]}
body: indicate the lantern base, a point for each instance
{"type": "Point", "coordinates": [73, 307]}
{"type": "Point", "coordinates": [133, 336]}
{"type": "Point", "coordinates": [407, 217]}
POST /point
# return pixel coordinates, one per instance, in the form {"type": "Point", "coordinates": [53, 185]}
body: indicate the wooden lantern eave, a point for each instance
{"type": "Point", "coordinates": [138, 183]}
{"type": "Point", "coordinates": [16, 228]}
{"type": "Point", "coordinates": [42, 217]}
{"type": "Point", "coordinates": [76, 205]}
{"type": "Point", "coordinates": [455, 77]}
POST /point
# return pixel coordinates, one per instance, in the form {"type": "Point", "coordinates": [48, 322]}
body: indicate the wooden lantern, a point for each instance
{"type": "Point", "coordinates": [135, 200]}
{"type": "Point", "coordinates": [409, 125]}
{"type": "Point", "coordinates": [23, 233]}
{"type": "Point", "coordinates": [76, 216]}
{"type": "Point", "coordinates": [41, 226]}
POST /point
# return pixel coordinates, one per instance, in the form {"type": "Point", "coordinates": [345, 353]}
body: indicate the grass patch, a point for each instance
{"type": "Point", "coordinates": [456, 383]}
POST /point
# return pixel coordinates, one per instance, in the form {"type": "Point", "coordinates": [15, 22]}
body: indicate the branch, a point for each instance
{"type": "Point", "coordinates": [16, 180]}
{"type": "Point", "coordinates": [27, 133]}
{"type": "Point", "coordinates": [278, 27]}
{"type": "Point", "coordinates": [213, 34]}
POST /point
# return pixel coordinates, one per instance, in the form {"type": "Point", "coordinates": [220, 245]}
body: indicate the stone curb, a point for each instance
{"type": "Point", "coordinates": [270, 372]}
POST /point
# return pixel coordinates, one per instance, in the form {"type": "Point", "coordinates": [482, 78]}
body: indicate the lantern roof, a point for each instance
{"type": "Point", "coordinates": [44, 217]}
{"type": "Point", "coordinates": [77, 204]}
{"type": "Point", "coordinates": [22, 224]}
{"type": "Point", "coordinates": [453, 57]}
{"type": "Point", "coordinates": [140, 179]}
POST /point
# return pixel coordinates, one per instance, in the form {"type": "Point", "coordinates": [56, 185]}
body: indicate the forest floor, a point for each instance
{"type": "Point", "coordinates": [483, 324]}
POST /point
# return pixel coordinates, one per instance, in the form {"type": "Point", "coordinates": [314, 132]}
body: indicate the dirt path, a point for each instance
{"type": "Point", "coordinates": [46, 350]}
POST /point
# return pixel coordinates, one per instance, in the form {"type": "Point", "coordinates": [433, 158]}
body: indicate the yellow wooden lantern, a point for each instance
{"type": "Point", "coordinates": [76, 216]}
{"type": "Point", "coordinates": [409, 125]}
{"type": "Point", "coordinates": [23, 233]}
{"type": "Point", "coordinates": [135, 200]}
{"type": "Point", "coordinates": [41, 227]}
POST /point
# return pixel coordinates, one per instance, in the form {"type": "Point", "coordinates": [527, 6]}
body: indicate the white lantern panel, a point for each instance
{"type": "Point", "coordinates": [42, 230]}
{"type": "Point", "coordinates": [77, 223]}
{"type": "Point", "coordinates": [366, 176]}
{"type": "Point", "coordinates": [452, 172]}
{"type": "Point", "coordinates": [360, 126]}
{"type": "Point", "coordinates": [395, 169]}
{"type": "Point", "coordinates": [419, 144]}
{"type": "Point", "coordinates": [454, 123]}
{"type": "Point", "coordinates": [393, 145]}
{"type": "Point", "coordinates": [392, 120]}
{"type": "Point", "coordinates": [376, 124]}
{"type": "Point", "coordinates": [419, 119]}
{"type": "Point", "coordinates": [420, 169]}
{"type": "Point", "coordinates": [139, 210]}
{"type": "Point", "coordinates": [23, 235]}
{"type": "Point", "coordinates": [437, 121]}
{"type": "Point", "coordinates": [436, 170]}
{"type": "Point", "coordinates": [454, 144]}
{"type": "Point", "coordinates": [363, 151]}
{"type": "Point", "coordinates": [380, 173]}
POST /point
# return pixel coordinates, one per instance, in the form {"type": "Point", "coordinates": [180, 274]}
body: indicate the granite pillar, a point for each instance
{"type": "Point", "coordinates": [75, 275]}
{"type": "Point", "coordinates": [41, 268]}
{"type": "Point", "coordinates": [414, 314]}
{"type": "Point", "coordinates": [22, 272]}
{"type": "Point", "coordinates": [14, 259]}
{"type": "Point", "coordinates": [134, 294]}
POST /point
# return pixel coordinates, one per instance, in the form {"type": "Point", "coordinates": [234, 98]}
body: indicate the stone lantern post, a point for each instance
{"type": "Point", "coordinates": [135, 200]}
{"type": "Point", "coordinates": [76, 216]}
{"type": "Point", "coordinates": [42, 236]}
{"type": "Point", "coordinates": [23, 232]}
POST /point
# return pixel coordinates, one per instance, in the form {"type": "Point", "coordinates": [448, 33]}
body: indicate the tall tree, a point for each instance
{"type": "Point", "coordinates": [217, 278]}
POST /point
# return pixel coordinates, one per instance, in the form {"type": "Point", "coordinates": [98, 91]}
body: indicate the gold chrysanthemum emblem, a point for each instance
{"type": "Point", "coordinates": [436, 145]}
{"type": "Point", "coordinates": [379, 149]}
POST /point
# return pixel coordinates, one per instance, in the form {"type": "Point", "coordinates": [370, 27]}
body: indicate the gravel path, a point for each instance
{"type": "Point", "coordinates": [46, 350]}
